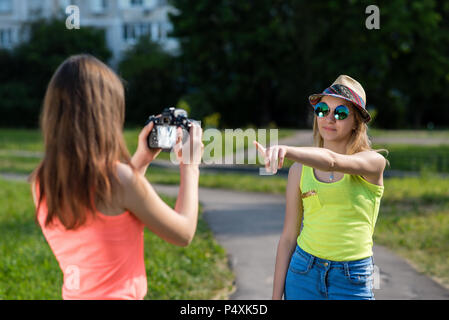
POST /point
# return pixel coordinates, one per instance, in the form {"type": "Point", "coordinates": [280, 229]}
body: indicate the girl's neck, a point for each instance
{"type": "Point", "coordinates": [336, 146]}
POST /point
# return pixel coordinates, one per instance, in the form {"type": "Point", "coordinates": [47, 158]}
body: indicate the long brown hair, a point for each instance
{"type": "Point", "coordinates": [82, 125]}
{"type": "Point", "coordinates": [359, 140]}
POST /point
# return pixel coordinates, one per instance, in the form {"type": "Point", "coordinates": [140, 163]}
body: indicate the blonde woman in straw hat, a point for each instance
{"type": "Point", "coordinates": [334, 191]}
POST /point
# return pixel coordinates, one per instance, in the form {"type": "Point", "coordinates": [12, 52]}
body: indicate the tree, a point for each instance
{"type": "Point", "coordinates": [153, 80]}
{"type": "Point", "coordinates": [31, 65]}
{"type": "Point", "coordinates": [257, 61]}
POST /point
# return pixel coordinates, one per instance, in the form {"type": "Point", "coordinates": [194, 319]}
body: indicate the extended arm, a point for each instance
{"type": "Point", "coordinates": [365, 163]}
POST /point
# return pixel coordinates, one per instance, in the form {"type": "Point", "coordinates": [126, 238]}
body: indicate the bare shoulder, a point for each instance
{"type": "Point", "coordinates": [125, 173]}
{"type": "Point", "coordinates": [372, 156]}
{"type": "Point", "coordinates": [128, 179]}
{"type": "Point", "coordinates": [376, 161]}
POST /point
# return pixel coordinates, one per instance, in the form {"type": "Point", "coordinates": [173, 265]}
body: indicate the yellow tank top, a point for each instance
{"type": "Point", "coordinates": [339, 217]}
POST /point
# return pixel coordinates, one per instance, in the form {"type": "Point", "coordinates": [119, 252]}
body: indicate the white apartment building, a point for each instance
{"type": "Point", "coordinates": [124, 21]}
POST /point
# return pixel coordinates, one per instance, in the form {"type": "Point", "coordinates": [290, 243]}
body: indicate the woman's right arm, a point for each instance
{"type": "Point", "coordinates": [178, 225]}
{"type": "Point", "coordinates": [292, 224]}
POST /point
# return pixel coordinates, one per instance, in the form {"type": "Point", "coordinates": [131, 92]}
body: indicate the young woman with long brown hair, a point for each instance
{"type": "Point", "coordinates": [93, 200]}
{"type": "Point", "coordinates": [334, 190]}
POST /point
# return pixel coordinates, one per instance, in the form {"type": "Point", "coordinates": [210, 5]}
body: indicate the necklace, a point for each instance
{"type": "Point", "coordinates": [331, 177]}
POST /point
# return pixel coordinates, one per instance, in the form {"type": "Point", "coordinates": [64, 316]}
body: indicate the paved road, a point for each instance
{"type": "Point", "coordinates": [248, 226]}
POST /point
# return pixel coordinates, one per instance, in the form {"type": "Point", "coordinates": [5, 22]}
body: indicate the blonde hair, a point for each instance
{"type": "Point", "coordinates": [359, 140]}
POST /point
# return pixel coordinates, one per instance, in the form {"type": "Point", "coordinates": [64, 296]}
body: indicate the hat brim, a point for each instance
{"type": "Point", "coordinates": [315, 98]}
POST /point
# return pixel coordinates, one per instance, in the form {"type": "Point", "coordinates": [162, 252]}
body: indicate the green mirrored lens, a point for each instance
{"type": "Point", "coordinates": [341, 112]}
{"type": "Point", "coordinates": [321, 109]}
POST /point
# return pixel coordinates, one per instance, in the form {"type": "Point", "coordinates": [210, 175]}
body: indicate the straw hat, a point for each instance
{"type": "Point", "coordinates": [346, 88]}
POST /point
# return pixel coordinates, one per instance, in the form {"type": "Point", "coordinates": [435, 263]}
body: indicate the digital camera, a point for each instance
{"type": "Point", "coordinates": [163, 135]}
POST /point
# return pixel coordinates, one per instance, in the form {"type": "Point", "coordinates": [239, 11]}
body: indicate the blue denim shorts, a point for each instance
{"type": "Point", "coordinates": [313, 278]}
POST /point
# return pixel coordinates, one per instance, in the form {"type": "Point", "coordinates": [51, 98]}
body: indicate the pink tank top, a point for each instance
{"type": "Point", "coordinates": [102, 260]}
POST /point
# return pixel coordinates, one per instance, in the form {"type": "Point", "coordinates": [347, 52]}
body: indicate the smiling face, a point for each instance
{"type": "Point", "coordinates": [332, 129]}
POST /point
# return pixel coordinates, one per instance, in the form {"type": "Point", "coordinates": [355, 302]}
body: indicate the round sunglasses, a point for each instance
{"type": "Point", "coordinates": [340, 113]}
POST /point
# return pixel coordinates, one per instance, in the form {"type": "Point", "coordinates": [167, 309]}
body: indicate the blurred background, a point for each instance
{"type": "Point", "coordinates": [235, 64]}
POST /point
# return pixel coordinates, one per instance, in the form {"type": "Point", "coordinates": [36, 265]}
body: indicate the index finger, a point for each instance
{"type": "Point", "coordinates": [259, 147]}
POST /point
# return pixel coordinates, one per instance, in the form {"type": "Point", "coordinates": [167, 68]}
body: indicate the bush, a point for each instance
{"type": "Point", "coordinates": [152, 78]}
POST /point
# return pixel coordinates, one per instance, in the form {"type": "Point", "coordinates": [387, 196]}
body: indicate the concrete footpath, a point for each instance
{"type": "Point", "coordinates": [248, 226]}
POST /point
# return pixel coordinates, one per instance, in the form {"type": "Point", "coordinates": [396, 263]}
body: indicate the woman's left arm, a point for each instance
{"type": "Point", "coordinates": [365, 163]}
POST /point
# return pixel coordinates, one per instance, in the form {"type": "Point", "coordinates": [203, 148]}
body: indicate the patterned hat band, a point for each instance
{"type": "Point", "coordinates": [346, 92]}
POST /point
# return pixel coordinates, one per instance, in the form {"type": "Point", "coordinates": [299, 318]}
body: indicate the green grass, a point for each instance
{"type": "Point", "coordinates": [408, 133]}
{"type": "Point", "coordinates": [11, 162]}
{"type": "Point", "coordinates": [417, 158]}
{"type": "Point", "coordinates": [29, 270]}
{"type": "Point", "coordinates": [21, 139]}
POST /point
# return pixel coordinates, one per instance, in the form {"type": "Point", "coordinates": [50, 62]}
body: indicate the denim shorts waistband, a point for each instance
{"type": "Point", "coordinates": [336, 264]}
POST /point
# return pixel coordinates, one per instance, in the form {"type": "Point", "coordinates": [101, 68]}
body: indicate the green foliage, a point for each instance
{"type": "Point", "coordinates": [27, 70]}
{"type": "Point", "coordinates": [256, 62]}
{"type": "Point", "coordinates": [153, 80]}
{"type": "Point", "coordinates": [212, 120]}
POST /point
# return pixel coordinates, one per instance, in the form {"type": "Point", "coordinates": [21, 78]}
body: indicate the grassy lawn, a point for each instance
{"type": "Point", "coordinates": [21, 139]}
{"type": "Point", "coordinates": [417, 158]}
{"type": "Point", "coordinates": [29, 270]}
{"type": "Point", "coordinates": [409, 133]}
{"type": "Point", "coordinates": [413, 218]}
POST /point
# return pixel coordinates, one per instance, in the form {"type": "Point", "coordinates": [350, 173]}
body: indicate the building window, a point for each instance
{"type": "Point", "coordinates": [5, 38]}
{"type": "Point", "coordinates": [5, 6]}
{"type": "Point", "coordinates": [133, 31]}
{"type": "Point", "coordinates": [156, 31]}
{"type": "Point", "coordinates": [160, 30]}
{"type": "Point", "coordinates": [150, 4]}
{"type": "Point", "coordinates": [136, 3]}
{"type": "Point", "coordinates": [98, 6]}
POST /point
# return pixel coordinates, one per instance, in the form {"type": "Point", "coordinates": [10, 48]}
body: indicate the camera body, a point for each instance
{"type": "Point", "coordinates": [163, 135]}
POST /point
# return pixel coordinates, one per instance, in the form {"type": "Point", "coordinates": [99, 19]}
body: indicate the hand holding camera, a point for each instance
{"type": "Point", "coordinates": [191, 151]}
{"type": "Point", "coordinates": [144, 155]}
{"type": "Point", "coordinates": [173, 130]}
{"type": "Point", "coordinates": [164, 132]}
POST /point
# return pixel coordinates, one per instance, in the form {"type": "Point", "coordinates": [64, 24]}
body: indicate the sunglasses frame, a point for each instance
{"type": "Point", "coordinates": [336, 116]}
